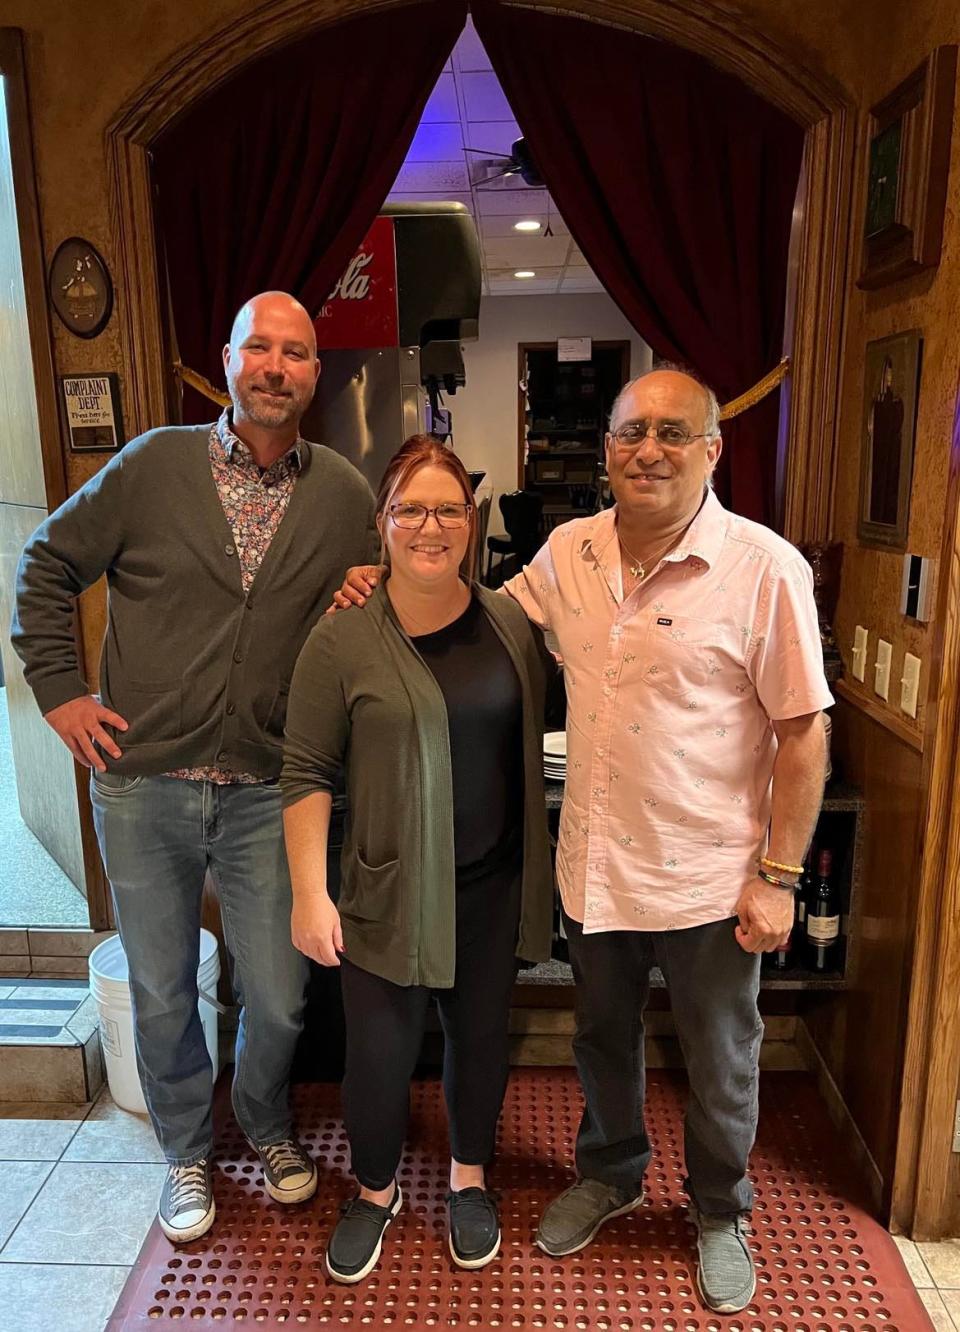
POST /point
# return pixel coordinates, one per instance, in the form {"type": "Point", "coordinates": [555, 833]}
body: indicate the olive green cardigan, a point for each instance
{"type": "Point", "coordinates": [363, 697]}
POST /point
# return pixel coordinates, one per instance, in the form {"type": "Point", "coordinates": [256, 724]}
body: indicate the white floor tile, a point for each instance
{"type": "Point", "coordinates": [951, 1299]}
{"type": "Point", "coordinates": [39, 1298]}
{"type": "Point", "coordinates": [37, 1132]}
{"type": "Point", "coordinates": [22, 1181]}
{"type": "Point", "coordinates": [942, 1261]}
{"type": "Point", "coordinates": [935, 1307]}
{"type": "Point", "coordinates": [88, 1213]}
{"type": "Point", "coordinates": [916, 1267]}
{"type": "Point", "coordinates": [112, 1134]}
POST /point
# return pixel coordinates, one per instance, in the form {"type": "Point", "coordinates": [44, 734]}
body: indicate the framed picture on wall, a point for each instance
{"type": "Point", "coordinates": [891, 385]}
{"type": "Point", "coordinates": [908, 161]}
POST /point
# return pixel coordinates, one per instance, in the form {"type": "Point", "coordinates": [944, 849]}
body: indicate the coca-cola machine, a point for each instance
{"type": "Point", "coordinates": [389, 334]}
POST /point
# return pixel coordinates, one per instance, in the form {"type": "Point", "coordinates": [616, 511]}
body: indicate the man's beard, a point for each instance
{"type": "Point", "coordinates": [269, 413]}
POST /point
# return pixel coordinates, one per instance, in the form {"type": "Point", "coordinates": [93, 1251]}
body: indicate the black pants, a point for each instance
{"type": "Point", "coordinates": [385, 1031]}
{"type": "Point", "coordinates": [713, 988]}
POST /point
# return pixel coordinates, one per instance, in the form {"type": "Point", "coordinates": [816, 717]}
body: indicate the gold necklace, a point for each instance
{"type": "Point", "coordinates": [637, 569]}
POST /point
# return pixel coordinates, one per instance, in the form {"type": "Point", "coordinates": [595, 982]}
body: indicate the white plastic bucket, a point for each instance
{"type": "Point", "coordinates": [110, 987]}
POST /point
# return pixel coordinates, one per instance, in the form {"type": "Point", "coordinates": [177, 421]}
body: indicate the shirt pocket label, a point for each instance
{"type": "Point", "coordinates": [683, 654]}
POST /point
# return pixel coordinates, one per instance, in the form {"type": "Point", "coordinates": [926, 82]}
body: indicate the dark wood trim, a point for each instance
{"type": "Point", "coordinates": [33, 262]}
{"type": "Point", "coordinates": [927, 1176]}
{"type": "Point", "coordinates": [878, 713]}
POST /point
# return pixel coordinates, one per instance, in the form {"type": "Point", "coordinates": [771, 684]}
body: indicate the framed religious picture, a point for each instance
{"type": "Point", "coordinates": [908, 161]}
{"type": "Point", "coordinates": [80, 288]}
{"type": "Point", "coordinates": [891, 385]}
{"type": "Point", "coordinates": [91, 406]}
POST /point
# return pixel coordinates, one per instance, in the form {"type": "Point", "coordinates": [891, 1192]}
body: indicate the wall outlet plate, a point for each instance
{"type": "Point", "coordinates": [881, 683]}
{"type": "Point", "coordinates": [910, 684]}
{"type": "Point", "coordinates": [859, 666]}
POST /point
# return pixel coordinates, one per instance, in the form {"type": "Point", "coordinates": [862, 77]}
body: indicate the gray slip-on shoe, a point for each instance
{"type": "Point", "coordinates": [725, 1273]}
{"type": "Point", "coordinates": [571, 1221]}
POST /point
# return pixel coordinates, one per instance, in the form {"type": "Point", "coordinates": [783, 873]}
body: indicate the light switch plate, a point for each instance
{"type": "Point", "coordinates": [910, 684]}
{"type": "Point", "coordinates": [859, 652]}
{"type": "Point", "coordinates": [881, 670]}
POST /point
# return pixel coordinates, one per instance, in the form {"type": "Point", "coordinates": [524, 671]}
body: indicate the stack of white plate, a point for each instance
{"type": "Point", "coordinates": [555, 756]}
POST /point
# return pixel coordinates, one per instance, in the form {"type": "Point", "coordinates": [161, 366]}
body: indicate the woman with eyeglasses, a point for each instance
{"type": "Point", "coordinates": [432, 699]}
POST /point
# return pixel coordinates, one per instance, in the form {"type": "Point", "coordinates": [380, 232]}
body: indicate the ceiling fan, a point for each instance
{"type": "Point", "coordinates": [519, 162]}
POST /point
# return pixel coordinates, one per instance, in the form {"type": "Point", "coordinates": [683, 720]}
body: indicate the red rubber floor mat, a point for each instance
{"type": "Point", "coordinates": [823, 1265]}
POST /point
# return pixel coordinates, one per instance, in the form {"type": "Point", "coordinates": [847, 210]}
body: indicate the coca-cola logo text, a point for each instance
{"type": "Point", "coordinates": [354, 284]}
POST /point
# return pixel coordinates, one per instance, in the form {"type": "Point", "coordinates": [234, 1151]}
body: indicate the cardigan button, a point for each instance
{"type": "Point", "coordinates": [230, 550]}
{"type": "Point", "coordinates": [238, 657]}
{"type": "Point", "coordinates": [231, 709]}
{"type": "Point", "coordinates": [222, 756]}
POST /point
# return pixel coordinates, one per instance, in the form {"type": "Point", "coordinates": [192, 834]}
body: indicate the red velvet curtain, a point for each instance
{"type": "Point", "coordinates": [678, 184]}
{"type": "Point", "coordinates": [273, 179]}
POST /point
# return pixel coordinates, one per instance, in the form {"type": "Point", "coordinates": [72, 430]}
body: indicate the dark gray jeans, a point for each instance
{"type": "Point", "coordinates": [713, 988]}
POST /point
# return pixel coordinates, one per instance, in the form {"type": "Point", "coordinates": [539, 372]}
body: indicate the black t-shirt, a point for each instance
{"type": "Point", "coordinates": [485, 716]}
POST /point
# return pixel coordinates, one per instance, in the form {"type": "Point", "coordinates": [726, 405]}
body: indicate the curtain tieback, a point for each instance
{"type": "Point", "coordinates": [733, 408]}
{"type": "Point", "coordinates": [759, 391]}
{"type": "Point", "coordinates": [202, 385]}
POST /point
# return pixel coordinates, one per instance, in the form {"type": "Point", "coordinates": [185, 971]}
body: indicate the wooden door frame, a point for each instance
{"type": "Point", "coordinates": [776, 73]}
{"type": "Point", "coordinates": [33, 264]}
{"type": "Point", "coordinates": [623, 345]}
{"type": "Point", "coordinates": [926, 1183]}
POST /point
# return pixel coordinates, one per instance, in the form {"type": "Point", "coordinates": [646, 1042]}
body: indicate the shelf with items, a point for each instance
{"type": "Point", "coordinates": [839, 827]}
{"type": "Point", "coordinates": [565, 407]}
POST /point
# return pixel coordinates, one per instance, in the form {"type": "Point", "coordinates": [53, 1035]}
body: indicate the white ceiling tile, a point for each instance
{"type": "Point", "coordinates": [437, 177]}
{"type": "Point", "coordinates": [442, 103]}
{"type": "Point", "coordinates": [526, 251]}
{"type": "Point", "coordinates": [439, 142]}
{"type": "Point", "coordinates": [491, 136]}
{"type": "Point", "coordinates": [511, 203]}
{"type": "Point", "coordinates": [469, 53]}
{"type": "Point", "coordinates": [484, 98]}
{"type": "Point", "coordinates": [497, 225]}
{"type": "Point", "coordinates": [543, 272]}
{"type": "Point", "coordinates": [582, 282]}
{"type": "Point", "coordinates": [531, 287]}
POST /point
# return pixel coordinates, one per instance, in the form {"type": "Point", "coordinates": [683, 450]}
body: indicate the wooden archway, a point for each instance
{"type": "Point", "coordinates": [821, 232]}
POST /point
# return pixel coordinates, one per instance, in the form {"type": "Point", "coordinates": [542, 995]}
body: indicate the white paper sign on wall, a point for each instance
{"type": "Point", "coordinates": [574, 349]}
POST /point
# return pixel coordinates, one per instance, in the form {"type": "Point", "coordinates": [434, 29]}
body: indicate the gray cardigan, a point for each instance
{"type": "Point", "coordinates": [363, 696]}
{"type": "Point", "coordinates": [198, 669]}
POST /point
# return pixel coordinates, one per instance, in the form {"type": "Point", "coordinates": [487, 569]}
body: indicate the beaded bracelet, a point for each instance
{"type": "Point", "coordinates": [777, 883]}
{"type": "Point", "coordinates": [777, 865]}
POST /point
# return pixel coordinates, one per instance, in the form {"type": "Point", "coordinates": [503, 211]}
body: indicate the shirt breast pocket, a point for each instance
{"type": "Point", "coordinates": [684, 655]}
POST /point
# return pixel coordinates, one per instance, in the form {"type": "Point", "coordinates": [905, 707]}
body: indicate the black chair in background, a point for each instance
{"type": "Point", "coordinates": [521, 510]}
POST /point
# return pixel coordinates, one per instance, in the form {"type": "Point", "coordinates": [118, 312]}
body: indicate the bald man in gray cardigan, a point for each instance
{"type": "Point", "coordinates": [221, 545]}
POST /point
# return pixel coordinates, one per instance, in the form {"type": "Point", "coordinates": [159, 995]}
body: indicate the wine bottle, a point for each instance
{"type": "Point", "coordinates": [823, 918]}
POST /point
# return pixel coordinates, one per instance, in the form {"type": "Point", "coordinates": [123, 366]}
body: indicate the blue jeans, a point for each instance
{"type": "Point", "coordinates": [158, 836]}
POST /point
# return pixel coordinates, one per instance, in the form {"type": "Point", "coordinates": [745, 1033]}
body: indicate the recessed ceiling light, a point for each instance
{"type": "Point", "coordinates": [528, 224]}
{"type": "Point", "coordinates": [524, 273]}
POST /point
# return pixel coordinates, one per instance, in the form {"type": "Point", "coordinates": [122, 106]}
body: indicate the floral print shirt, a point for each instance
{"type": "Point", "coordinates": [254, 502]}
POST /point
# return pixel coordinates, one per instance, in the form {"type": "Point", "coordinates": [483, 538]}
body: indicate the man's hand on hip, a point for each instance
{"type": "Point", "coordinates": [765, 917]}
{"type": "Point", "coordinates": [358, 584]}
{"type": "Point", "coordinates": [78, 724]}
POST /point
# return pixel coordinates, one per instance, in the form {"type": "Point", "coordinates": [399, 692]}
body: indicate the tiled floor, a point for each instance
{"type": "Point", "coordinates": [80, 1185]}
{"type": "Point", "coordinates": [79, 1192]}
{"type": "Point", "coordinates": [935, 1271]}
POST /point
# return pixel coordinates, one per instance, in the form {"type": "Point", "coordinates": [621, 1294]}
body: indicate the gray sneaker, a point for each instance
{"type": "Point", "coordinates": [725, 1273]}
{"type": "Point", "coordinates": [187, 1209]}
{"type": "Point", "coordinates": [572, 1220]}
{"type": "Point", "coordinates": [289, 1172]}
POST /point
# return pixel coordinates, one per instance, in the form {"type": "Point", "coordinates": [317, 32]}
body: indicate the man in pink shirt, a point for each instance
{"type": "Point", "coordinates": [695, 764]}
{"type": "Point", "coordinates": [695, 772]}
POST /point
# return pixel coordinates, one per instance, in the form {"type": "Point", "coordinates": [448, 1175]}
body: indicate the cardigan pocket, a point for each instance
{"type": "Point", "coordinates": [371, 892]}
